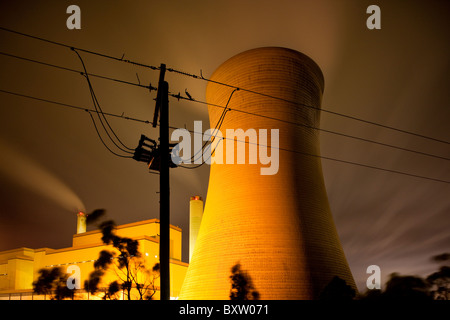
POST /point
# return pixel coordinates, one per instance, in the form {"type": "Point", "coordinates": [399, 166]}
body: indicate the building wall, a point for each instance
{"type": "Point", "coordinates": [16, 268]}
{"type": "Point", "coordinates": [148, 227]}
{"type": "Point", "coordinates": [20, 267]}
{"type": "Point", "coordinates": [21, 271]}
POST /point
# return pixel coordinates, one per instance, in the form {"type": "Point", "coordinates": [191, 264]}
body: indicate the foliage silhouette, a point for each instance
{"type": "Point", "coordinates": [53, 283]}
{"type": "Point", "coordinates": [409, 288]}
{"type": "Point", "coordinates": [241, 285]}
{"type": "Point", "coordinates": [440, 280]}
{"type": "Point", "coordinates": [400, 288]}
{"type": "Point", "coordinates": [95, 215]}
{"type": "Point", "coordinates": [337, 289]}
{"type": "Point", "coordinates": [127, 263]}
{"type": "Point", "coordinates": [413, 288]}
{"type": "Point", "coordinates": [371, 295]}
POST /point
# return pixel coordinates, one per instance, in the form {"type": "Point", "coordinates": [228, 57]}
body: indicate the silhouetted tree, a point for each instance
{"type": "Point", "coordinates": [128, 264]}
{"type": "Point", "coordinates": [241, 285]}
{"type": "Point", "coordinates": [91, 285]}
{"type": "Point", "coordinates": [413, 288]}
{"type": "Point", "coordinates": [371, 294]}
{"type": "Point", "coordinates": [53, 282]}
{"type": "Point", "coordinates": [440, 280]}
{"type": "Point", "coordinates": [113, 290]}
{"type": "Point", "coordinates": [337, 289]}
{"type": "Point", "coordinates": [410, 288]}
{"type": "Point", "coordinates": [95, 215]}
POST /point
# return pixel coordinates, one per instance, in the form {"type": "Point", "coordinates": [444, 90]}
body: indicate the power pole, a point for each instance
{"type": "Point", "coordinates": [162, 105]}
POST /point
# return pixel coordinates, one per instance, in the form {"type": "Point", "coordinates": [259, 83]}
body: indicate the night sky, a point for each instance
{"type": "Point", "coordinates": [52, 163]}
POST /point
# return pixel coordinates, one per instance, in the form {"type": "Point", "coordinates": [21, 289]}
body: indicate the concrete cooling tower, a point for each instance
{"type": "Point", "coordinates": [278, 227]}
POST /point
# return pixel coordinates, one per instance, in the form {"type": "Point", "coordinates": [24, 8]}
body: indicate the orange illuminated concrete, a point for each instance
{"type": "Point", "coordinates": [278, 227]}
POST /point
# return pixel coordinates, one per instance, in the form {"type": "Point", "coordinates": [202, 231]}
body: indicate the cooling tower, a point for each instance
{"type": "Point", "coordinates": [278, 227]}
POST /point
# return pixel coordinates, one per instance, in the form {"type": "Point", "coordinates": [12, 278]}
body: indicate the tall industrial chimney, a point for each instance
{"type": "Point", "coordinates": [81, 222]}
{"type": "Point", "coordinates": [195, 219]}
{"type": "Point", "coordinates": [279, 227]}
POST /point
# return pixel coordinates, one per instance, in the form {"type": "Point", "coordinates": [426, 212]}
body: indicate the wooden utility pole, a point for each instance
{"type": "Point", "coordinates": [162, 106]}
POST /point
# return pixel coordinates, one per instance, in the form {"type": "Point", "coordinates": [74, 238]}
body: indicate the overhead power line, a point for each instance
{"type": "Point", "coordinates": [149, 87]}
{"type": "Point", "coordinates": [80, 49]}
{"type": "Point", "coordinates": [178, 97]}
{"type": "Point", "coordinates": [215, 131]}
{"type": "Point", "coordinates": [62, 104]}
{"type": "Point", "coordinates": [104, 122]}
{"type": "Point", "coordinates": [307, 106]}
{"type": "Point", "coordinates": [220, 83]}
{"type": "Point", "coordinates": [89, 111]}
{"type": "Point", "coordinates": [201, 133]}
{"type": "Point", "coordinates": [325, 158]}
{"type": "Point", "coordinates": [201, 77]}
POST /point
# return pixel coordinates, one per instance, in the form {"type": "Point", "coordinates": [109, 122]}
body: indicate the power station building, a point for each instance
{"type": "Point", "coordinates": [278, 227]}
{"type": "Point", "coordinates": [19, 268]}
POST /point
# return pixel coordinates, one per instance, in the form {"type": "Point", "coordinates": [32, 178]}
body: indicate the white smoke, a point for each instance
{"type": "Point", "coordinates": [30, 174]}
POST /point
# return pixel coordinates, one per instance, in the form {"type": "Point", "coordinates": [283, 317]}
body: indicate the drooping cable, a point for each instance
{"type": "Point", "coordinates": [102, 118]}
{"type": "Point", "coordinates": [215, 131]}
{"type": "Point", "coordinates": [103, 142]}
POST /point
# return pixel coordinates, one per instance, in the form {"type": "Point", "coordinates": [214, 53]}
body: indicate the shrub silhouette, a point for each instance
{"type": "Point", "coordinates": [241, 285]}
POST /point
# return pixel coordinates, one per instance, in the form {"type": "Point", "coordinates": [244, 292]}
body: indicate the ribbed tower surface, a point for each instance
{"type": "Point", "coordinates": [278, 227]}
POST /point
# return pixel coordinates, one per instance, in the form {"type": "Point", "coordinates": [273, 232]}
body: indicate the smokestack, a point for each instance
{"type": "Point", "coordinates": [195, 219]}
{"type": "Point", "coordinates": [81, 222]}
